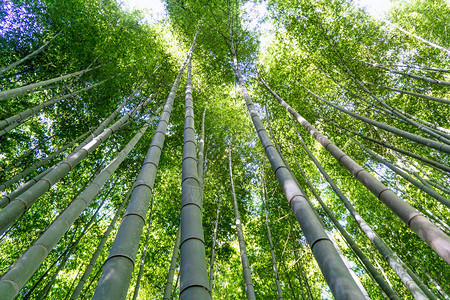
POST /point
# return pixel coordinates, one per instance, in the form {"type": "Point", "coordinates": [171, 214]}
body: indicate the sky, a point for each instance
{"type": "Point", "coordinates": [377, 8]}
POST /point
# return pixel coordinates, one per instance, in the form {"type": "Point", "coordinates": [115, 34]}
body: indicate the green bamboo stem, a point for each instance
{"type": "Point", "coordinates": [141, 267]}
{"type": "Point", "coordinates": [249, 287]}
{"type": "Point", "coordinates": [410, 154]}
{"type": "Point", "coordinates": [423, 96]}
{"type": "Point", "coordinates": [20, 204]}
{"type": "Point", "coordinates": [49, 285]}
{"type": "Point", "coordinates": [23, 90]}
{"type": "Point", "coordinates": [425, 188]}
{"type": "Point", "coordinates": [364, 259]}
{"type": "Point", "coordinates": [415, 287]}
{"type": "Point", "coordinates": [22, 270]}
{"type": "Point", "coordinates": [35, 52]}
{"type": "Point", "coordinates": [336, 274]}
{"type": "Point", "coordinates": [426, 230]}
{"type": "Point", "coordinates": [40, 163]}
{"type": "Point", "coordinates": [87, 272]}
{"type": "Point", "coordinates": [173, 264]}
{"type": "Point", "coordinates": [118, 268]}
{"type": "Point", "coordinates": [213, 251]}
{"type": "Point", "coordinates": [194, 282]}
{"type": "Point", "coordinates": [18, 119]}
{"type": "Point", "coordinates": [269, 237]}
{"type": "Point", "coordinates": [23, 188]}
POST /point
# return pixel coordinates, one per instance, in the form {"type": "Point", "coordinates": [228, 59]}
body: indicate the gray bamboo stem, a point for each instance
{"type": "Point", "coordinates": [141, 267]}
{"type": "Point", "coordinates": [394, 261]}
{"type": "Point", "coordinates": [22, 270]}
{"type": "Point", "coordinates": [336, 274]}
{"type": "Point", "coordinates": [194, 282]}
{"type": "Point", "coordinates": [118, 268]}
{"type": "Point", "coordinates": [426, 230]}
{"type": "Point", "coordinates": [269, 236]}
{"type": "Point", "coordinates": [35, 52]}
{"type": "Point", "coordinates": [249, 287]}
{"type": "Point", "coordinates": [173, 264]}
{"type": "Point", "coordinates": [27, 89]}
{"type": "Point", "coordinates": [76, 293]}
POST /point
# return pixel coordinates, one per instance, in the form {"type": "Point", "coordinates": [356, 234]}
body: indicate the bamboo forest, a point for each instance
{"type": "Point", "coordinates": [225, 149]}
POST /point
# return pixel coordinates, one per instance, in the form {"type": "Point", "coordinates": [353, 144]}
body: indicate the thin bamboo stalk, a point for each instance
{"type": "Point", "coordinates": [426, 230]}
{"type": "Point", "coordinates": [336, 274]}
{"type": "Point", "coordinates": [118, 268]}
{"type": "Point", "coordinates": [29, 262]}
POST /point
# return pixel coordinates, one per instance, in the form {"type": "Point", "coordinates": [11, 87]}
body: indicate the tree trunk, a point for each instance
{"type": "Point", "coordinates": [173, 264]}
{"type": "Point", "coordinates": [426, 230]}
{"type": "Point", "coordinates": [118, 268]}
{"type": "Point", "coordinates": [90, 266]}
{"type": "Point", "coordinates": [336, 274]}
{"type": "Point", "coordinates": [269, 236]}
{"type": "Point", "coordinates": [29, 262]}
{"type": "Point", "coordinates": [415, 287]}
{"type": "Point", "coordinates": [213, 251]}
{"type": "Point", "coordinates": [23, 90]}
{"type": "Point", "coordinates": [141, 268]}
{"type": "Point", "coordinates": [18, 119]}
{"type": "Point", "coordinates": [364, 259]}
{"type": "Point", "coordinates": [39, 164]}
{"type": "Point", "coordinates": [249, 288]}
{"type": "Point", "coordinates": [421, 186]}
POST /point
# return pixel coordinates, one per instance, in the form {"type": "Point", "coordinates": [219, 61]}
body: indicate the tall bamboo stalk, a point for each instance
{"type": "Point", "coordinates": [412, 282]}
{"type": "Point", "coordinates": [22, 270]}
{"type": "Point", "coordinates": [173, 264]}
{"type": "Point", "coordinates": [430, 162]}
{"type": "Point", "coordinates": [96, 254]}
{"type": "Point", "coordinates": [410, 136]}
{"type": "Point", "coordinates": [425, 188]}
{"type": "Point", "coordinates": [336, 274]}
{"type": "Point", "coordinates": [18, 206]}
{"type": "Point", "coordinates": [24, 187]}
{"type": "Point", "coordinates": [18, 119]}
{"type": "Point", "coordinates": [35, 52]}
{"type": "Point", "coordinates": [23, 90]}
{"type": "Point", "coordinates": [213, 251]}
{"type": "Point", "coordinates": [49, 285]}
{"type": "Point", "coordinates": [364, 259]}
{"type": "Point", "coordinates": [141, 267]}
{"type": "Point", "coordinates": [194, 282]}
{"type": "Point", "coordinates": [269, 236]}
{"type": "Point", "coordinates": [423, 96]}
{"type": "Point", "coordinates": [40, 163]}
{"type": "Point", "coordinates": [118, 268]}
{"type": "Point", "coordinates": [249, 287]}
{"type": "Point", "coordinates": [426, 230]}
